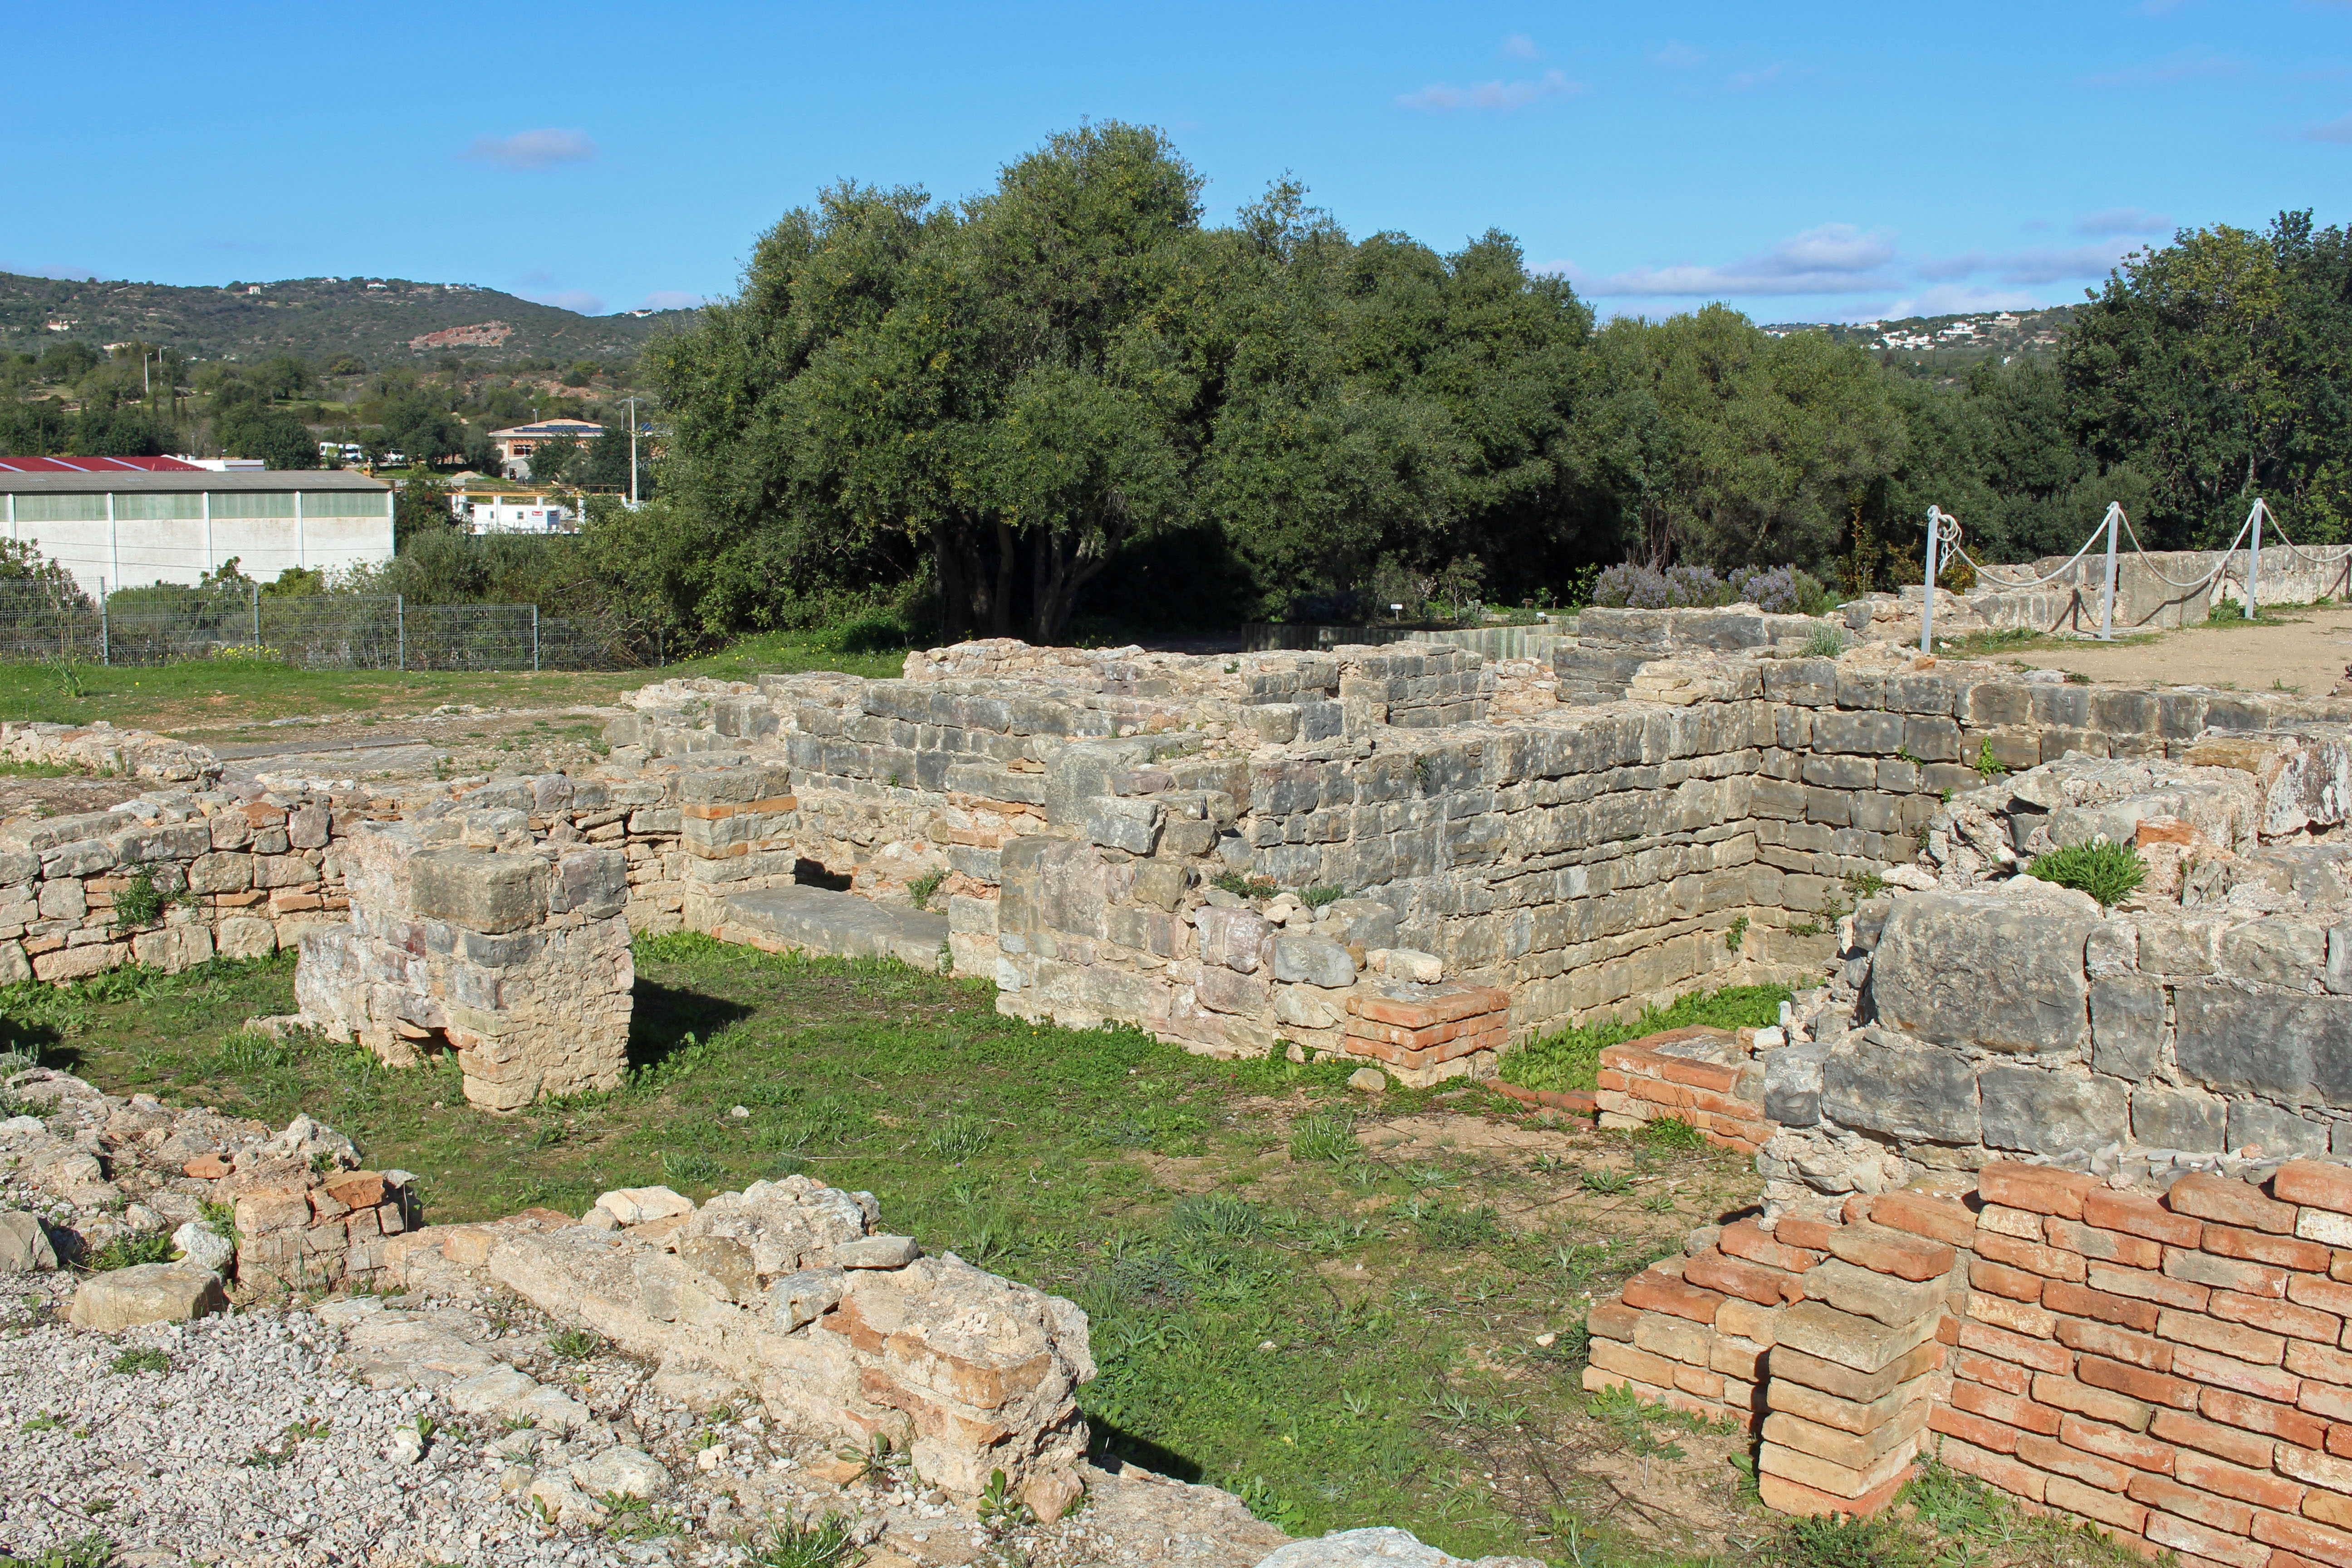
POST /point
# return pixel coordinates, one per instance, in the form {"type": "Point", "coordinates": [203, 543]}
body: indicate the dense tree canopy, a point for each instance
{"type": "Point", "coordinates": [1069, 389]}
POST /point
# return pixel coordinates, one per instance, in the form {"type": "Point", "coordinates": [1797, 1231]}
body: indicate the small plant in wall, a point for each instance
{"type": "Point", "coordinates": [1735, 935]}
{"type": "Point", "coordinates": [2109, 873]}
{"type": "Point", "coordinates": [1243, 887]}
{"type": "Point", "coordinates": [923, 887]}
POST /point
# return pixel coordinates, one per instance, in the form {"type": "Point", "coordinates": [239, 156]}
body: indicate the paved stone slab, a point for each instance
{"type": "Point", "coordinates": [818, 920]}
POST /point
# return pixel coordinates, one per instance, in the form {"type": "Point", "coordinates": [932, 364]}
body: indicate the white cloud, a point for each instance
{"type": "Point", "coordinates": [2189, 65]}
{"type": "Point", "coordinates": [575, 299]}
{"type": "Point", "coordinates": [2040, 264]}
{"type": "Point", "coordinates": [671, 300]}
{"type": "Point", "coordinates": [533, 149]}
{"type": "Point", "coordinates": [1679, 57]}
{"type": "Point", "coordinates": [1834, 259]}
{"type": "Point", "coordinates": [2123, 220]}
{"type": "Point", "coordinates": [2334, 130]}
{"type": "Point", "coordinates": [1953, 299]}
{"type": "Point", "coordinates": [1520, 47]}
{"type": "Point", "coordinates": [1445, 97]}
{"type": "Point", "coordinates": [1841, 261]}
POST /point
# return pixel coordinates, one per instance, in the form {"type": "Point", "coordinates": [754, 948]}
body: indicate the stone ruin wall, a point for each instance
{"type": "Point", "coordinates": [1582, 856]}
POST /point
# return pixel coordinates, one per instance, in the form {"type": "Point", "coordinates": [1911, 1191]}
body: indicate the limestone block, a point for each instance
{"type": "Point", "coordinates": [485, 892]}
{"type": "Point", "coordinates": [1901, 1088]}
{"type": "Point", "coordinates": [2050, 1111]}
{"type": "Point", "coordinates": [2277, 1133]}
{"type": "Point", "coordinates": [622, 1471]}
{"type": "Point", "coordinates": [1363, 922]}
{"type": "Point", "coordinates": [147, 1293]}
{"type": "Point", "coordinates": [1793, 1083]}
{"type": "Point", "coordinates": [2296, 1049]}
{"type": "Point", "coordinates": [173, 949]}
{"type": "Point", "coordinates": [2127, 1027]}
{"type": "Point", "coordinates": [1312, 960]}
{"type": "Point", "coordinates": [245, 936]}
{"type": "Point", "coordinates": [219, 872]}
{"type": "Point", "coordinates": [592, 882]}
{"type": "Point", "coordinates": [1233, 938]}
{"type": "Point", "coordinates": [2165, 1118]}
{"type": "Point", "coordinates": [1159, 884]}
{"type": "Point", "coordinates": [1131, 824]}
{"type": "Point", "coordinates": [24, 1244]}
{"type": "Point", "coordinates": [1999, 971]}
{"type": "Point", "coordinates": [640, 1205]}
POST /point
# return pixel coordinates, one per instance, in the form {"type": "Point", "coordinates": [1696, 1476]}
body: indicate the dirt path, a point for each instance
{"type": "Point", "coordinates": [2304, 650]}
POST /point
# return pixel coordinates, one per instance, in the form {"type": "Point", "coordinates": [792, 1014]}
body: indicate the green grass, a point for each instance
{"type": "Point", "coordinates": [1198, 1210]}
{"type": "Point", "coordinates": [223, 693]}
{"type": "Point", "coordinates": [1571, 1058]}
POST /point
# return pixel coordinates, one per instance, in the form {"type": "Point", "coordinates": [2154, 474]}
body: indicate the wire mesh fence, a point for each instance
{"type": "Point", "coordinates": [164, 625]}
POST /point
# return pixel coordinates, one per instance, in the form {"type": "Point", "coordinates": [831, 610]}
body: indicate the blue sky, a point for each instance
{"type": "Point", "coordinates": [1801, 161]}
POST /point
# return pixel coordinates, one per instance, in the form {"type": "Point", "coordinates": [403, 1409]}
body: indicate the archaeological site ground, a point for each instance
{"type": "Point", "coordinates": [1670, 1087]}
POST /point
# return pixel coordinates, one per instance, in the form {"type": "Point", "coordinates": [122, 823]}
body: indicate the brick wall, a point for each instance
{"type": "Point", "coordinates": [2172, 1366]}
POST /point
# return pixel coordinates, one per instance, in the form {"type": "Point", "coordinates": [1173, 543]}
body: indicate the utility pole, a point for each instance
{"type": "Point", "coordinates": [633, 452]}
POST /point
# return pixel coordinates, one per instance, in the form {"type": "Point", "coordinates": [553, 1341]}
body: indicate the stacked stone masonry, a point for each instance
{"type": "Point", "coordinates": [2172, 1365]}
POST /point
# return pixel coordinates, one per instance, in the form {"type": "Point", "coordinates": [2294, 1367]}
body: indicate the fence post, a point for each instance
{"type": "Point", "coordinates": [256, 620]}
{"type": "Point", "coordinates": [1927, 601]}
{"type": "Point", "coordinates": [105, 641]}
{"type": "Point", "coordinates": [400, 619]}
{"type": "Point", "coordinates": [2107, 604]}
{"type": "Point", "coordinates": [2255, 562]}
{"type": "Point", "coordinates": [534, 638]}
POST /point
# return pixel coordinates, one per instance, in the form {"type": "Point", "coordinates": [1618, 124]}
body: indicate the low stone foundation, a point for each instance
{"type": "Point", "coordinates": [1707, 1078]}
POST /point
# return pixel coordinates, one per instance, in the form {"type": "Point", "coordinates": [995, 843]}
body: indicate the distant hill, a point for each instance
{"type": "Point", "coordinates": [1932, 343]}
{"type": "Point", "coordinates": [385, 320]}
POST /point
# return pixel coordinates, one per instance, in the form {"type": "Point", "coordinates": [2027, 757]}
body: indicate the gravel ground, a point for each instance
{"type": "Point", "coordinates": [252, 1446]}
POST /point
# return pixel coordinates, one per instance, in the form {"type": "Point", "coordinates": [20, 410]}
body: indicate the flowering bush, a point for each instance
{"type": "Point", "coordinates": [1780, 591]}
{"type": "Point", "coordinates": [1631, 588]}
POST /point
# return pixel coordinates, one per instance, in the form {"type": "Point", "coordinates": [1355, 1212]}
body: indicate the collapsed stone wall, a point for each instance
{"type": "Point", "coordinates": [788, 1288]}
{"type": "Point", "coordinates": [2165, 1363]}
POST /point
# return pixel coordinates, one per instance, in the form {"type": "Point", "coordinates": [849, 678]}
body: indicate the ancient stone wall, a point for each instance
{"type": "Point", "coordinates": [1074, 810]}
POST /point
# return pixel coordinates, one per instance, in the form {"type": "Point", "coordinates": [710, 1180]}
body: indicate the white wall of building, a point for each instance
{"type": "Point", "coordinates": [126, 552]}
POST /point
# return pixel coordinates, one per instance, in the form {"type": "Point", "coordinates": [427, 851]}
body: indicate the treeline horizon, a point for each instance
{"type": "Point", "coordinates": [1067, 406]}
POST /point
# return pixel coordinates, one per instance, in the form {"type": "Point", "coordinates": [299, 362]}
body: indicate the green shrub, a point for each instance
{"type": "Point", "coordinates": [139, 902]}
{"type": "Point", "coordinates": [1242, 887]}
{"type": "Point", "coordinates": [1671, 1132]}
{"type": "Point", "coordinates": [924, 886]}
{"type": "Point", "coordinates": [2109, 873]}
{"type": "Point", "coordinates": [130, 1251]}
{"type": "Point", "coordinates": [1315, 898]}
{"type": "Point", "coordinates": [1824, 642]}
{"type": "Point", "coordinates": [1571, 1058]}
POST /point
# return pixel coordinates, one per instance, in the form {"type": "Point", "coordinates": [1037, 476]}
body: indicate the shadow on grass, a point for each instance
{"type": "Point", "coordinates": [665, 1016]}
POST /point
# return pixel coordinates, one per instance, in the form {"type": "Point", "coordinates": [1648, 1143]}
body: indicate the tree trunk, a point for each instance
{"type": "Point", "coordinates": [955, 595]}
{"type": "Point", "coordinates": [1000, 615]}
{"type": "Point", "coordinates": [1071, 569]}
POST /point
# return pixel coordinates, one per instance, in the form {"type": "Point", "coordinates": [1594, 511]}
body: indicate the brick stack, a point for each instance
{"type": "Point", "coordinates": [1703, 1076]}
{"type": "Point", "coordinates": [1452, 1031]}
{"type": "Point", "coordinates": [1692, 1333]}
{"type": "Point", "coordinates": [299, 1228]}
{"type": "Point", "coordinates": [1857, 1367]}
{"type": "Point", "coordinates": [2174, 1369]}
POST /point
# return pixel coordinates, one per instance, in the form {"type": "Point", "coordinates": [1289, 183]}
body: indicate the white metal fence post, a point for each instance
{"type": "Point", "coordinates": [534, 638]}
{"type": "Point", "coordinates": [2254, 561]}
{"type": "Point", "coordinates": [400, 619]}
{"type": "Point", "coordinates": [256, 620]}
{"type": "Point", "coordinates": [2107, 604]}
{"type": "Point", "coordinates": [1928, 600]}
{"type": "Point", "coordinates": [105, 639]}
